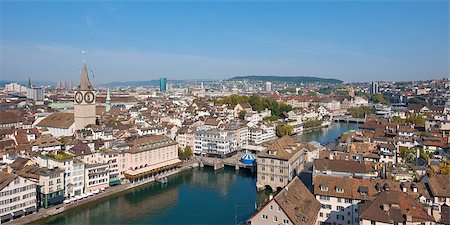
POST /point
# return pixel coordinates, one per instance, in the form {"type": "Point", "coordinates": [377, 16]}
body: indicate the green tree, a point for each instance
{"type": "Point", "coordinates": [284, 129]}
{"type": "Point", "coordinates": [378, 98]}
{"type": "Point", "coordinates": [361, 112]}
{"type": "Point", "coordinates": [415, 101]}
{"type": "Point", "coordinates": [312, 93]}
{"type": "Point", "coordinates": [312, 123]}
{"type": "Point", "coordinates": [187, 152]}
{"type": "Point", "coordinates": [242, 114]}
{"type": "Point", "coordinates": [416, 119]}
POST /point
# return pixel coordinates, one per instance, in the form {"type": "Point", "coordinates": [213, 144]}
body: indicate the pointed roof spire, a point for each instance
{"type": "Point", "coordinates": [108, 97]}
{"type": "Point", "coordinates": [29, 82]}
{"type": "Point", "coordinates": [85, 84]}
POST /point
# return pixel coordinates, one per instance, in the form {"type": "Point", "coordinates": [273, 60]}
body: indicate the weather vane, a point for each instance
{"type": "Point", "coordinates": [84, 55]}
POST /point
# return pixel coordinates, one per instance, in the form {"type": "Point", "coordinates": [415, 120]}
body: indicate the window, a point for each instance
{"type": "Point", "coordinates": [275, 219]}
{"type": "Point", "coordinates": [373, 223]}
{"type": "Point", "coordinates": [321, 214]}
{"type": "Point", "coordinates": [285, 221]}
{"type": "Point", "coordinates": [339, 190]}
{"type": "Point", "coordinates": [326, 198]}
{"type": "Point", "coordinates": [340, 208]}
{"type": "Point", "coordinates": [271, 208]}
{"type": "Point", "coordinates": [265, 217]}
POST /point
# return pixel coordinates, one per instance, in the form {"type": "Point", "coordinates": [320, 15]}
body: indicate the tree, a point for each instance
{"type": "Point", "coordinates": [361, 112]}
{"type": "Point", "coordinates": [378, 98]}
{"type": "Point", "coordinates": [408, 155]}
{"type": "Point", "coordinates": [416, 119]}
{"type": "Point", "coordinates": [312, 93]}
{"type": "Point", "coordinates": [184, 154]}
{"type": "Point", "coordinates": [242, 114]}
{"type": "Point", "coordinates": [187, 152]}
{"type": "Point", "coordinates": [284, 129]}
{"type": "Point", "coordinates": [415, 101]}
{"type": "Point", "coordinates": [312, 123]}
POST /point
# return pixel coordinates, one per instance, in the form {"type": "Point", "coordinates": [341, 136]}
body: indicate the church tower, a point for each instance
{"type": "Point", "coordinates": [84, 101]}
{"type": "Point", "coordinates": [108, 102]}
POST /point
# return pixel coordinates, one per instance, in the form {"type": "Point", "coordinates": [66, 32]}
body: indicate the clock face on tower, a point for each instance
{"type": "Point", "coordinates": [78, 97]}
{"type": "Point", "coordinates": [89, 97]}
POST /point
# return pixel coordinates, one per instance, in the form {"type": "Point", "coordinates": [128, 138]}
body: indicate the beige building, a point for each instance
{"type": "Point", "coordinates": [293, 205]}
{"type": "Point", "coordinates": [50, 184]}
{"type": "Point", "coordinates": [84, 101]}
{"type": "Point", "coordinates": [279, 163]}
{"type": "Point", "coordinates": [150, 156]}
{"type": "Point", "coordinates": [17, 196]}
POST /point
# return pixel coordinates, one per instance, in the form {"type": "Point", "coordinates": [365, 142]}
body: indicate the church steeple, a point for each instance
{"type": "Point", "coordinates": [108, 102]}
{"type": "Point", "coordinates": [85, 84]}
{"type": "Point", "coordinates": [29, 82]}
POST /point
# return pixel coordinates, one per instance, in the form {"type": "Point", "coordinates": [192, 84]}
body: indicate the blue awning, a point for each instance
{"type": "Point", "coordinates": [56, 200]}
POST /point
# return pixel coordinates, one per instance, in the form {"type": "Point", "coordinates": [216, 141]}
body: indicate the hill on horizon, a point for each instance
{"type": "Point", "coordinates": [292, 79]}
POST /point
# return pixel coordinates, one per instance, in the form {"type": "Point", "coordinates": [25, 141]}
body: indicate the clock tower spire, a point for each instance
{"type": "Point", "coordinates": [84, 101]}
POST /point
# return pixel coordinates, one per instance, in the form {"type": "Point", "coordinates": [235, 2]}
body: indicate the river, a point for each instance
{"type": "Point", "coordinates": [198, 196]}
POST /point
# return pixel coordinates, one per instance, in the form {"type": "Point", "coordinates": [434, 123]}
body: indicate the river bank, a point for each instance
{"type": "Point", "coordinates": [111, 191]}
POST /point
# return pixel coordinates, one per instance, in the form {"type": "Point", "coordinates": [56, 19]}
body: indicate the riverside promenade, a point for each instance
{"type": "Point", "coordinates": [43, 213]}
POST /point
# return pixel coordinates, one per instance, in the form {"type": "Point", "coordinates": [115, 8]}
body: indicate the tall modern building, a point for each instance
{"type": "Point", "coordinates": [374, 87]}
{"type": "Point", "coordinates": [268, 87]}
{"type": "Point", "coordinates": [163, 84]}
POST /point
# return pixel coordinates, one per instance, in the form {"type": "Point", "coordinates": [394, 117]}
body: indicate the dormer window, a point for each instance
{"type": "Point", "coordinates": [323, 187]}
{"type": "Point", "coordinates": [363, 190]}
{"type": "Point", "coordinates": [339, 190]}
{"type": "Point", "coordinates": [272, 152]}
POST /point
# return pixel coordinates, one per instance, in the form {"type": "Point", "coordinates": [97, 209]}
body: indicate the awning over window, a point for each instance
{"type": "Point", "coordinates": [55, 200]}
{"type": "Point", "coordinates": [30, 209]}
{"type": "Point", "coordinates": [6, 217]}
{"type": "Point", "coordinates": [19, 213]}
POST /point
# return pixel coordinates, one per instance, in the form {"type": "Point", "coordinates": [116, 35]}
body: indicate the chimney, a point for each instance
{"type": "Point", "coordinates": [408, 217]}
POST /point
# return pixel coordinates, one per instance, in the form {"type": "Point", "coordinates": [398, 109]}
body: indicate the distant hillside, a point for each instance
{"type": "Point", "coordinates": [299, 79]}
{"type": "Point", "coordinates": [142, 83]}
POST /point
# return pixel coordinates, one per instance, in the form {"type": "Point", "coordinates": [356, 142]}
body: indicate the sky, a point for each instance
{"type": "Point", "coordinates": [143, 40]}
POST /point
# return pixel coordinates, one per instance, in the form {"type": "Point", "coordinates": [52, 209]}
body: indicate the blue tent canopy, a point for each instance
{"type": "Point", "coordinates": [248, 159]}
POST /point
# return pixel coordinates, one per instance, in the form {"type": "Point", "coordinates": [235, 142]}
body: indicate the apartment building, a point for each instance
{"type": "Point", "coordinates": [73, 171]}
{"type": "Point", "coordinates": [215, 142]}
{"type": "Point", "coordinates": [258, 135]}
{"type": "Point", "coordinates": [240, 132]}
{"type": "Point", "coordinates": [96, 176]}
{"type": "Point", "coordinates": [50, 184]}
{"type": "Point", "coordinates": [279, 163]}
{"type": "Point", "coordinates": [340, 196]}
{"type": "Point", "coordinates": [17, 196]}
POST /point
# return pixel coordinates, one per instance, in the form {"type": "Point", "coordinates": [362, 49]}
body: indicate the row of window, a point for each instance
{"type": "Point", "coordinates": [275, 219]}
{"type": "Point", "coordinates": [18, 206]}
{"type": "Point", "coordinates": [327, 198]}
{"type": "Point", "coordinates": [17, 190]}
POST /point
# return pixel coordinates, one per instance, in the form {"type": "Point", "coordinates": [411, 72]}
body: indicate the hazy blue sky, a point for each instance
{"type": "Point", "coordinates": [143, 40]}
